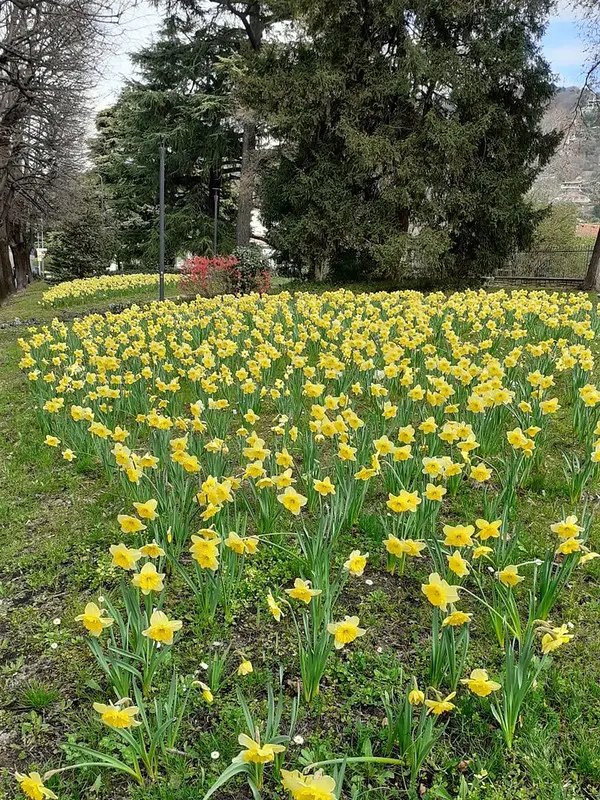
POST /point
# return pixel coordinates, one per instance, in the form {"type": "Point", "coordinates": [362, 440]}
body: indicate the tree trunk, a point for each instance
{"type": "Point", "coordinates": [591, 281]}
{"type": "Point", "coordinates": [7, 283]}
{"type": "Point", "coordinates": [254, 29]}
{"type": "Point", "coordinates": [403, 226]}
{"type": "Point", "coordinates": [246, 186]}
{"type": "Point", "coordinates": [20, 251]}
{"type": "Point", "coordinates": [322, 268]}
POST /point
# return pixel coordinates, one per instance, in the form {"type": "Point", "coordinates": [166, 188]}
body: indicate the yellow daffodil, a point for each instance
{"type": "Point", "coordinates": [148, 579]}
{"type": "Point", "coordinates": [152, 550]}
{"type": "Point", "coordinates": [245, 668]}
{"type": "Point", "coordinates": [234, 542]}
{"type": "Point", "coordinates": [569, 546]}
{"type": "Point", "coordinates": [356, 563]}
{"type": "Point", "coordinates": [206, 552]}
{"type": "Point", "coordinates": [345, 632]}
{"type": "Point", "coordinates": [147, 510]}
{"type": "Point", "coordinates": [456, 619]}
{"type": "Point", "coordinates": [439, 592]}
{"type": "Point", "coordinates": [404, 501]}
{"type": "Point", "coordinates": [308, 787]}
{"type": "Point", "coordinates": [130, 524]}
{"type": "Point", "coordinates": [302, 591]}
{"type": "Point", "coordinates": [292, 500]}
{"type": "Point", "coordinates": [207, 694]}
{"type": "Point", "coordinates": [274, 608]}
{"type": "Point", "coordinates": [479, 683]}
{"type": "Point", "coordinates": [567, 527]}
{"type": "Point", "coordinates": [481, 473]}
{"type": "Point", "coordinates": [457, 564]}
{"type": "Point", "coordinates": [440, 705]}
{"type": "Point", "coordinates": [458, 535]}
{"type": "Point", "coordinates": [161, 628]}
{"type": "Point", "coordinates": [416, 697]}
{"type": "Point", "coordinates": [33, 787]}
{"type": "Point", "coordinates": [93, 619]}
{"type": "Point", "coordinates": [509, 576]}
{"type": "Point", "coordinates": [324, 487]}
{"type": "Point", "coordinates": [488, 530]}
{"type": "Point", "coordinates": [123, 556]}
{"type": "Point", "coordinates": [119, 715]}
{"type": "Point", "coordinates": [588, 557]}
{"type": "Point", "coordinates": [553, 638]}
{"type": "Point", "coordinates": [255, 753]}
{"type": "Point", "coordinates": [435, 492]}
{"type": "Point", "coordinates": [549, 406]}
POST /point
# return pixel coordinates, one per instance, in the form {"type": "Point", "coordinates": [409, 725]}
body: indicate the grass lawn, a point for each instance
{"type": "Point", "coordinates": [57, 521]}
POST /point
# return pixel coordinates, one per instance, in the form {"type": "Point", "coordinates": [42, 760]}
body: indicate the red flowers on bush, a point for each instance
{"type": "Point", "coordinates": [222, 275]}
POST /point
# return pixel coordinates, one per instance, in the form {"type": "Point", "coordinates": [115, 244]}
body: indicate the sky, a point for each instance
{"type": "Point", "coordinates": [562, 45]}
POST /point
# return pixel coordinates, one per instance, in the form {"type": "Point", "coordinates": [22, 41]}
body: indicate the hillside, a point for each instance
{"type": "Point", "coordinates": [574, 172]}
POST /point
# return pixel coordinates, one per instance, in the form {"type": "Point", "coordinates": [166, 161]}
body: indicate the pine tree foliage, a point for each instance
{"type": "Point", "coordinates": [181, 100]}
{"type": "Point", "coordinates": [406, 135]}
{"type": "Point", "coordinates": [83, 244]}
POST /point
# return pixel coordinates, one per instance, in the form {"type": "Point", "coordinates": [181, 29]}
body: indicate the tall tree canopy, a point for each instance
{"type": "Point", "coordinates": [181, 100]}
{"type": "Point", "coordinates": [83, 243]}
{"type": "Point", "coordinates": [253, 21]}
{"type": "Point", "coordinates": [407, 134]}
{"type": "Point", "coordinates": [47, 54]}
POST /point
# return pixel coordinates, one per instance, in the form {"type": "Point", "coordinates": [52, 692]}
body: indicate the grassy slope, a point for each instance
{"type": "Point", "coordinates": [55, 526]}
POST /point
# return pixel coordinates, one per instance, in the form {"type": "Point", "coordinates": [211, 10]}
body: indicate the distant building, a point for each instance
{"type": "Point", "coordinates": [587, 229]}
{"type": "Point", "coordinates": [573, 192]}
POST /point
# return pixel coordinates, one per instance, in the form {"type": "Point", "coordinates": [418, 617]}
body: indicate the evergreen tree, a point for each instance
{"type": "Point", "coordinates": [180, 100]}
{"type": "Point", "coordinates": [83, 244]}
{"type": "Point", "coordinates": [408, 134]}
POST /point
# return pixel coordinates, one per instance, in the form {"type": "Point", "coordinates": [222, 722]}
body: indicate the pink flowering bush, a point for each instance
{"type": "Point", "coordinates": [208, 277]}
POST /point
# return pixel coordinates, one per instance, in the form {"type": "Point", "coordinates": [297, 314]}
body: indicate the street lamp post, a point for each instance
{"type": "Point", "coordinates": [216, 194]}
{"type": "Point", "coordinates": [161, 224]}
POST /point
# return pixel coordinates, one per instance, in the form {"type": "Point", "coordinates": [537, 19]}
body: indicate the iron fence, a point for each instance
{"type": "Point", "coordinates": [571, 263]}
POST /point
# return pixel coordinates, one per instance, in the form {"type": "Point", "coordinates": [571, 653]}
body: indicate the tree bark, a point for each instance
{"type": "Point", "coordinates": [7, 283]}
{"type": "Point", "coordinates": [246, 186]}
{"type": "Point", "coordinates": [254, 28]}
{"type": "Point", "coordinates": [403, 226]}
{"type": "Point", "coordinates": [20, 251]}
{"type": "Point", "coordinates": [591, 281]}
{"type": "Point", "coordinates": [322, 269]}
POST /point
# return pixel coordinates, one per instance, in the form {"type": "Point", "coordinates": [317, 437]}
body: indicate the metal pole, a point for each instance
{"type": "Point", "coordinates": [161, 224]}
{"type": "Point", "coordinates": [216, 192]}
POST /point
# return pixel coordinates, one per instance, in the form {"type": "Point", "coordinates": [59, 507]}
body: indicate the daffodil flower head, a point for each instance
{"type": "Point", "coordinates": [124, 557]}
{"type": "Point", "coordinates": [308, 787]}
{"type": "Point", "coordinates": [118, 715]}
{"type": "Point", "coordinates": [303, 591]}
{"type": "Point", "coordinates": [161, 628]}
{"type": "Point", "coordinates": [148, 579]}
{"type": "Point", "coordinates": [356, 563]}
{"type": "Point", "coordinates": [439, 592]}
{"type": "Point", "coordinates": [345, 632]}
{"type": "Point", "coordinates": [93, 619]}
{"type": "Point", "coordinates": [479, 683]}
{"type": "Point", "coordinates": [33, 787]}
{"type": "Point", "coordinates": [292, 500]}
{"type": "Point", "coordinates": [245, 667]}
{"type": "Point", "coordinates": [274, 608]}
{"type": "Point", "coordinates": [254, 752]}
{"type": "Point", "coordinates": [440, 705]}
{"type": "Point", "coordinates": [147, 510]}
{"type": "Point", "coordinates": [509, 576]}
